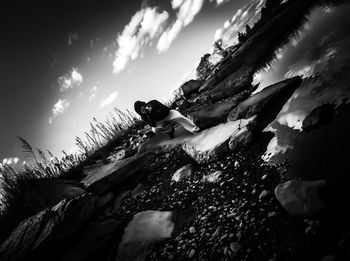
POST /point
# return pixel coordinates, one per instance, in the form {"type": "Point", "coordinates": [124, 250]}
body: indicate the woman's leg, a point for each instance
{"type": "Point", "coordinates": [182, 120]}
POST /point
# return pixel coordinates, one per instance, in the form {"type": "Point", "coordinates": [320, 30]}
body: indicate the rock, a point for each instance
{"type": "Point", "coordinates": [264, 194]}
{"type": "Point", "coordinates": [318, 117]}
{"type": "Point", "coordinates": [213, 143]}
{"type": "Point", "coordinates": [192, 230]}
{"type": "Point", "coordinates": [190, 87]}
{"type": "Point", "coordinates": [235, 247]}
{"type": "Point", "coordinates": [191, 254]}
{"type": "Point", "coordinates": [266, 103]}
{"type": "Point", "coordinates": [145, 229]}
{"type": "Point", "coordinates": [138, 190]}
{"type": "Point", "coordinates": [119, 155]}
{"type": "Point", "coordinates": [182, 173]}
{"type": "Point", "coordinates": [216, 113]}
{"type": "Point", "coordinates": [108, 176]}
{"type": "Point", "coordinates": [47, 228]}
{"type": "Point", "coordinates": [120, 198]}
{"type": "Point", "coordinates": [240, 139]}
{"type": "Point", "coordinates": [39, 194]}
{"type": "Point", "coordinates": [94, 240]}
{"type": "Point", "coordinates": [300, 198]}
{"type": "Point", "coordinates": [104, 199]}
{"type": "Point", "coordinates": [213, 177]}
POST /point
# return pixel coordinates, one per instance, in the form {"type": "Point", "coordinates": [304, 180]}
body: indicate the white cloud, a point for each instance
{"type": "Point", "coordinates": [72, 37]}
{"type": "Point", "coordinates": [144, 26]}
{"type": "Point", "coordinates": [10, 161]}
{"type": "Point", "coordinates": [248, 14]}
{"type": "Point", "coordinates": [108, 100]}
{"type": "Point", "coordinates": [93, 92]}
{"type": "Point", "coordinates": [70, 80]}
{"type": "Point", "coordinates": [188, 9]}
{"type": "Point", "coordinates": [59, 108]}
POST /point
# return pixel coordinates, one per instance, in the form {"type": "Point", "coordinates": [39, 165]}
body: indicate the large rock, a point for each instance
{"type": "Point", "coordinates": [183, 172]}
{"type": "Point", "coordinates": [301, 198]}
{"type": "Point", "coordinates": [102, 179]}
{"type": "Point", "coordinates": [266, 103]}
{"type": "Point", "coordinates": [190, 87]}
{"type": "Point", "coordinates": [212, 143]}
{"type": "Point", "coordinates": [216, 113]}
{"type": "Point", "coordinates": [241, 139]}
{"type": "Point", "coordinates": [145, 229]}
{"type": "Point", "coordinates": [39, 194]}
{"type": "Point", "coordinates": [33, 236]}
{"type": "Point", "coordinates": [94, 241]}
{"type": "Point", "coordinates": [318, 117]}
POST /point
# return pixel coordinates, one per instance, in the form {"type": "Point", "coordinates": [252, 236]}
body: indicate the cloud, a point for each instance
{"type": "Point", "coordinates": [188, 9]}
{"type": "Point", "coordinates": [93, 92]}
{"type": "Point", "coordinates": [108, 100]}
{"type": "Point", "coordinates": [248, 14]}
{"type": "Point", "coordinates": [9, 161]}
{"type": "Point", "coordinates": [70, 80]}
{"type": "Point", "coordinates": [72, 37]}
{"type": "Point", "coordinates": [59, 108]}
{"type": "Point", "coordinates": [144, 26]}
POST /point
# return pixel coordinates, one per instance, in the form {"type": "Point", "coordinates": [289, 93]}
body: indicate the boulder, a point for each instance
{"type": "Point", "coordinates": [213, 177]}
{"type": "Point", "coordinates": [104, 199]}
{"type": "Point", "coordinates": [33, 236]}
{"type": "Point", "coordinates": [145, 229]}
{"type": "Point", "coordinates": [318, 117]}
{"type": "Point", "coordinates": [182, 173]}
{"type": "Point", "coordinates": [212, 143]}
{"type": "Point", "coordinates": [39, 194]}
{"type": "Point", "coordinates": [266, 103]}
{"type": "Point", "coordinates": [108, 176]}
{"type": "Point", "coordinates": [216, 113]}
{"type": "Point", "coordinates": [241, 139]}
{"type": "Point", "coordinates": [95, 240]}
{"type": "Point", "coordinates": [190, 87]}
{"type": "Point", "coordinates": [301, 198]}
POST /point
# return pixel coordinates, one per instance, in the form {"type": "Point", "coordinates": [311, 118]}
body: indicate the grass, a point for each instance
{"type": "Point", "coordinates": [99, 141]}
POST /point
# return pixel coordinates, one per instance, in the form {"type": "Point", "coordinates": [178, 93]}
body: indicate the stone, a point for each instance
{"type": "Point", "coordinates": [191, 254]}
{"type": "Point", "coordinates": [183, 172]}
{"type": "Point", "coordinates": [190, 87]}
{"type": "Point", "coordinates": [145, 229]}
{"type": "Point", "coordinates": [264, 194]}
{"type": "Point", "coordinates": [318, 117]}
{"type": "Point", "coordinates": [192, 230]}
{"type": "Point", "coordinates": [266, 103]}
{"type": "Point", "coordinates": [216, 113]}
{"type": "Point", "coordinates": [235, 247]}
{"type": "Point", "coordinates": [119, 155]}
{"type": "Point", "coordinates": [301, 198]}
{"type": "Point", "coordinates": [109, 176]}
{"type": "Point", "coordinates": [138, 190]}
{"type": "Point", "coordinates": [213, 143]}
{"type": "Point", "coordinates": [48, 227]}
{"type": "Point", "coordinates": [93, 241]}
{"type": "Point", "coordinates": [118, 200]}
{"type": "Point", "coordinates": [241, 139]}
{"type": "Point", "coordinates": [39, 194]}
{"type": "Point", "coordinates": [104, 199]}
{"type": "Point", "coordinates": [213, 177]}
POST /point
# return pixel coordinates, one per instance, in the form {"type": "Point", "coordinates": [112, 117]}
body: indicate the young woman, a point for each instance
{"type": "Point", "coordinates": [160, 117]}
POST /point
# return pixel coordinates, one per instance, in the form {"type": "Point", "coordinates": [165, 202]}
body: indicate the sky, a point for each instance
{"type": "Point", "coordinates": [65, 62]}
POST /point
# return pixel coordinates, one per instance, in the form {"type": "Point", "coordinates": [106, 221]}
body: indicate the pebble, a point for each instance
{"type": "Point", "coordinates": [235, 247]}
{"type": "Point", "coordinates": [191, 254]}
{"type": "Point", "coordinates": [264, 194]}
{"type": "Point", "coordinates": [192, 230]}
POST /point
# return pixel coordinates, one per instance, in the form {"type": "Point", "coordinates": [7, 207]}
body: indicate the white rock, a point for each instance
{"type": "Point", "coordinates": [213, 177]}
{"type": "Point", "coordinates": [182, 173]}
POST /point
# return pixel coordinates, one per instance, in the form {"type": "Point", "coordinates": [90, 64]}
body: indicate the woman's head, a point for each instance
{"type": "Point", "coordinates": [140, 107]}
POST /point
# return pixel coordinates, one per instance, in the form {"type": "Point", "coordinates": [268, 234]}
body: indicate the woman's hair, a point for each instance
{"type": "Point", "coordinates": [138, 105]}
